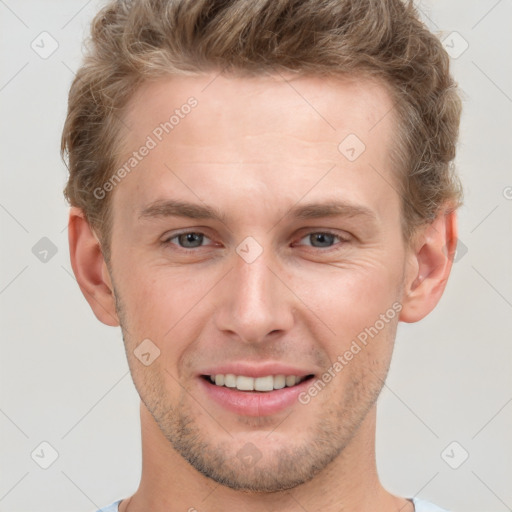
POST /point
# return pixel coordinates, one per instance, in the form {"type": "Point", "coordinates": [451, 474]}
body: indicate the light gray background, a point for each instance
{"type": "Point", "coordinates": [64, 376]}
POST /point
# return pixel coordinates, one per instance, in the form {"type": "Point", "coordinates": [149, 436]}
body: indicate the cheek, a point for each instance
{"type": "Point", "coordinates": [361, 307]}
{"type": "Point", "coordinates": [363, 360]}
{"type": "Point", "coordinates": [163, 306]}
{"type": "Point", "coordinates": [350, 299]}
{"type": "Point", "coordinates": [152, 301]}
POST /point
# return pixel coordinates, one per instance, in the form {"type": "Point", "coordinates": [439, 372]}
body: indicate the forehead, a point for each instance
{"type": "Point", "coordinates": [248, 135]}
{"type": "Point", "coordinates": [316, 108]}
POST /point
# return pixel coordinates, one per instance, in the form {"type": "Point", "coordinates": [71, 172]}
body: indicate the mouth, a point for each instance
{"type": "Point", "coordinates": [243, 395]}
{"type": "Point", "coordinates": [263, 384]}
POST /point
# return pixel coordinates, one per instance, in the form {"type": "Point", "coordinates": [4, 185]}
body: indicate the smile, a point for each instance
{"type": "Point", "coordinates": [254, 396]}
{"type": "Point", "coordinates": [264, 384]}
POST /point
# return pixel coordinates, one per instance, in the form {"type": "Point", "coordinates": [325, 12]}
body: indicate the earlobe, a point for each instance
{"type": "Point", "coordinates": [431, 263]}
{"type": "Point", "coordinates": [90, 268]}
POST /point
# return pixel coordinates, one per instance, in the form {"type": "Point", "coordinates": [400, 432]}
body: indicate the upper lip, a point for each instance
{"type": "Point", "coordinates": [256, 370]}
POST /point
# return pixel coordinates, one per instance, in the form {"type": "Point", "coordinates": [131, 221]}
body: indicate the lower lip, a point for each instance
{"type": "Point", "coordinates": [254, 403]}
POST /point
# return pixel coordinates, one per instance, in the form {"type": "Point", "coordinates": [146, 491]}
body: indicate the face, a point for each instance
{"type": "Point", "coordinates": [255, 242]}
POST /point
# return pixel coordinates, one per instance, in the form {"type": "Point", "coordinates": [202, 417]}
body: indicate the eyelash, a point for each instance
{"type": "Point", "coordinates": [342, 240]}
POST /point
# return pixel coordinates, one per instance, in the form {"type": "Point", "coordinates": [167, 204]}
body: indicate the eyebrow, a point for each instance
{"type": "Point", "coordinates": [174, 208]}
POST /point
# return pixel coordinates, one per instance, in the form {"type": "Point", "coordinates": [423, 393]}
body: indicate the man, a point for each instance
{"type": "Point", "coordinates": [260, 192]}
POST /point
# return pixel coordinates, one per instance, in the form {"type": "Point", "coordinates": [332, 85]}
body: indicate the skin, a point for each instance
{"type": "Point", "coordinates": [254, 148]}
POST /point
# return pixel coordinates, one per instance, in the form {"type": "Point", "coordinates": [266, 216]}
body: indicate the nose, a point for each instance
{"type": "Point", "coordinates": [255, 303]}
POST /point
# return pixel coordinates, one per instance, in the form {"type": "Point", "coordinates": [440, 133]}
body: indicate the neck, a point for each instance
{"type": "Point", "coordinates": [350, 482]}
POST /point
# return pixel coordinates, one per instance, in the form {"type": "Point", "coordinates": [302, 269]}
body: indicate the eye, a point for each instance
{"type": "Point", "coordinates": [188, 240]}
{"type": "Point", "coordinates": [322, 239]}
{"type": "Point", "coordinates": [191, 240]}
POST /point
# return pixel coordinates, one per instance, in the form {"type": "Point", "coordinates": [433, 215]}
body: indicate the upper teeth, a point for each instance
{"type": "Point", "coordinates": [243, 383]}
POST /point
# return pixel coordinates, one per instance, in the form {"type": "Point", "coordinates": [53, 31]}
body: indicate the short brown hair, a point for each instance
{"type": "Point", "coordinates": [132, 41]}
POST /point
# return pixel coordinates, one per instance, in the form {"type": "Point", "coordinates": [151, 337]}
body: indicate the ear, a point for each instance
{"type": "Point", "coordinates": [90, 269]}
{"type": "Point", "coordinates": [429, 265]}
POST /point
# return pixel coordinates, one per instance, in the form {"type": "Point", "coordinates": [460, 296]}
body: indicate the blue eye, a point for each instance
{"type": "Point", "coordinates": [189, 240]}
{"type": "Point", "coordinates": [324, 239]}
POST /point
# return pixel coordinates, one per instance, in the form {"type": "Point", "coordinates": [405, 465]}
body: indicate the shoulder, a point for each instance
{"type": "Point", "coordinates": [111, 508]}
{"type": "Point", "coordinates": [426, 506]}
